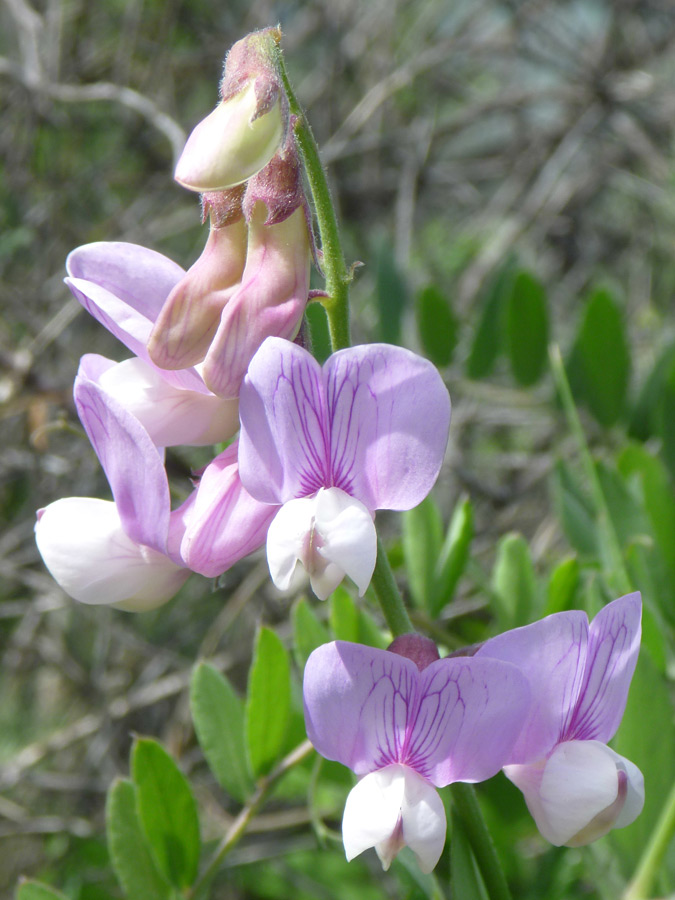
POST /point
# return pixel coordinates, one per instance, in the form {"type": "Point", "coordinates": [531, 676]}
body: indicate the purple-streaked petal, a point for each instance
{"type": "Point", "coordinates": [283, 445]}
{"type": "Point", "coordinates": [392, 808]}
{"type": "Point", "coordinates": [87, 551]}
{"type": "Point", "coordinates": [132, 464]}
{"type": "Point", "coordinates": [613, 646]}
{"type": "Point", "coordinates": [551, 654]}
{"type": "Point", "coordinates": [469, 716]}
{"type": "Point", "coordinates": [225, 522]}
{"type": "Point", "coordinates": [358, 704]}
{"type": "Point", "coordinates": [269, 303]}
{"type": "Point", "coordinates": [390, 413]}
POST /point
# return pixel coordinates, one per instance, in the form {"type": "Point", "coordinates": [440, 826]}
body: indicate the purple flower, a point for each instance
{"type": "Point", "coordinates": [331, 445]}
{"type": "Point", "coordinates": [123, 553]}
{"type": "Point", "coordinates": [405, 732]}
{"type": "Point", "coordinates": [576, 787]}
{"type": "Point", "coordinates": [124, 287]}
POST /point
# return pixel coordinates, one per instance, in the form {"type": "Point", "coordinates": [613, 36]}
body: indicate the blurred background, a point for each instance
{"type": "Point", "coordinates": [505, 173]}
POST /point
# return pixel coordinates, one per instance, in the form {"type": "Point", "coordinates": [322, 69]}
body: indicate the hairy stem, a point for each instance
{"type": "Point", "coordinates": [338, 277]}
{"type": "Point", "coordinates": [389, 596]}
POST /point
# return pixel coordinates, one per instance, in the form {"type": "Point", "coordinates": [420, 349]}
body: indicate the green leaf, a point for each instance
{"type": "Point", "coordinates": [344, 616]}
{"type": "Point", "coordinates": [422, 539]}
{"type": "Point", "coordinates": [391, 292]}
{"type": "Point", "coordinates": [647, 738]}
{"type": "Point", "coordinates": [465, 880]}
{"type": "Point", "coordinates": [308, 632]}
{"type": "Point", "coordinates": [218, 716]}
{"type": "Point", "coordinates": [167, 812]}
{"type": "Point", "coordinates": [527, 329]}
{"type": "Point", "coordinates": [666, 419]}
{"type": "Point", "coordinates": [437, 325]}
{"type": "Point", "coordinates": [268, 702]}
{"type": "Point", "coordinates": [514, 583]}
{"type": "Point", "coordinates": [562, 586]}
{"type": "Point", "coordinates": [35, 890]}
{"type": "Point", "coordinates": [487, 341]}
{"type": "Point", "coordinates": [575, 512]}
{"type": "Point", "coordinates": [129, 852]}
{"type": "Point", "coordinates": [603, 357]}
{"type": "Point", "coordinates": [453, 557]}
{"type": "Point", "coordinates": [644, 418]}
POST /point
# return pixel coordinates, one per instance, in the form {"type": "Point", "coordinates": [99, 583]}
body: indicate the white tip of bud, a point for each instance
{"type": "Point", "coordinates": [231, 144]}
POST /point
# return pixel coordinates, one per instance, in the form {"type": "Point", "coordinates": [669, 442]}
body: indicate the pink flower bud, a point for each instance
{"type": "Point", "coordinates": [244, 131]}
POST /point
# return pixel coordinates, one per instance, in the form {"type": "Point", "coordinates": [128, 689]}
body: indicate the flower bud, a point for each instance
{"type": "Point", "coordinates": [244, 131]}
{"type": "Point", "coordinates": [190, 316]}
{"type": "Point", "coordinates": [420, 649]}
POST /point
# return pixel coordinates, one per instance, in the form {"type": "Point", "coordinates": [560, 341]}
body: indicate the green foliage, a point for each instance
{"type": "Point", "coordinates": [391, 293]}
{"type": "Point", "coordinates": [35, 890]}
{"type": "Point", "coordinates": [268, 702]}
{"type": "Point", "coordinates": [218, 716]}
{"type": "Point", "coordinates": [167, 812]}
{"type": "Point", "coordinates": [437, 324]}
{"type": "Point", "coordinates": [515, 592]}
{"type": "Point", "coordinates": [308, 632]}
{"type": "Point", "coordinates": [527, 328]}
{"type": "Point", "coordinates": [488, 337]}
{"type": "Point", "coordinates": [129, 849]}
{"type": "Point", "coordinates": [600, 363]}
{"type": "Point", "coordinates": [465, 880]}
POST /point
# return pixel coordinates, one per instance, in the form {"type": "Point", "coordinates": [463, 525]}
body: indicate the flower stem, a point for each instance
{"type": "Point", "coordinates": [338, 277]}
{"type": "Point", "coordinates": [640, 886]}
{"type": "Point", "coordinates": [389, 596]}
{"type": "Point", "coordinates": [614, 564]}
{"type": "Point", "coordinates": [466, 804]}
{"type": "Point", "coordinates": [238, 828]}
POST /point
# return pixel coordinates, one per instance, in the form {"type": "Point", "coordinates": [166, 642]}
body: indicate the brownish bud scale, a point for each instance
{"type": "Point", "coordinates": [421, 650]}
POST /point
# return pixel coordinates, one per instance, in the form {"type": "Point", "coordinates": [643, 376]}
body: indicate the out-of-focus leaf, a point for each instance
{"type": "Point", "coordinates": [465, 880]}
{"type": "Point", "coordinates": [422, 539]}
{"type": "Point", "coordinates": [129, 853]}
{"type": "Point", "coordinates": [628, 519]}
{"type": "Point", "coordinates": [644, 417]}
{"type": "Point", "coordinates": [487, 341]}
{"type": "Point", "coordinates": [666, 419]}
{"type": "Point", "coordinates": [437, 325]}
{"type": "Point", "coordinates": [35, 890]}
{"type": "Point", "coordinates": [514, 584]}
{"type": "Point", "coordinates": [392, 294]}
{"type": "Point", "coordinates": [562, 586]}
{"type": "Point", "coordinates": [167, 812]}
{"type": "Point", "coordinates": [636, 462]}
{"type": "Point", "coordinates": [344, 616]}
{"type": "Point", "coordinates": [318, 330]}
{"type": "Point", "coordinates": [527, 328]}
{"type": "Point", "coordinates": [308, 632]}
{"type": "Point", "coordinates": [268, 702]}
{"type": "Point", "coordinates": [646, 737]}
{"type": "Point", "coordinates": [453, 556]}
{"type": "Point", "coordinates": [603, 356]}
{"type": "Point", "coordinates": [574, 512]}
{"type": "Point", "coordinates": [218, 716]}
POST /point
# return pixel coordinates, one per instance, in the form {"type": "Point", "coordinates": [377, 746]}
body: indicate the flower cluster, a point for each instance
{"type": "Point", "coordinates": [539, 701]}
{"type": "Point", "coordinates": [311, 453]}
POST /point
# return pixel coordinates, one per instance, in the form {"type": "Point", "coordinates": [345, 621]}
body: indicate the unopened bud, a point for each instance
{"type": "Point", "coordinates": [421, 650]}
{"type": "Point", "coordinates": [244, 131]}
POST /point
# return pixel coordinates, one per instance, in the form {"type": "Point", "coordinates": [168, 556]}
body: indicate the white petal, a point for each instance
{"type": "Point", "coordinates": [578, 794]}
{"type": "Point", "coordinates": [170, 415]}
{"type": "Point", "coordinates": [83, 545]}
{"type": "Point", "coordinates": [391, 808]}
{"type": "Point", "coordinates": [348, 536]}
{"type": "Point", "coordinates": [330, 533]}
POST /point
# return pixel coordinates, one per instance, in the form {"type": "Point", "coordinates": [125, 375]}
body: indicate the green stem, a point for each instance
{"type": "Point", "coordinates": [467, 808]}
{"type": "Point", "coordinates": [640, 886]}
{"type": "Point", "coordinates": [338, 277]}
{"type": "Point", "coordinates": [617, 569]}
{"type": "Point", "coordinates": [238, 828]}
{"type": "Point", "coordinates": [389, 596]}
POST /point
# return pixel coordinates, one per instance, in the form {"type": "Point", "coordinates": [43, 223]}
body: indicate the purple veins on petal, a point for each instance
{"type": "Point", "coordinates": [614, 643]}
